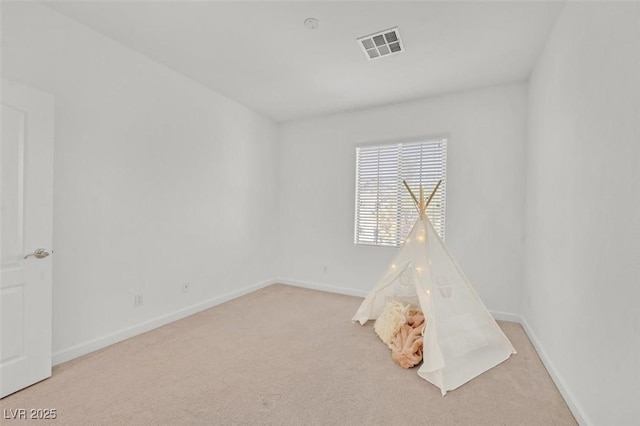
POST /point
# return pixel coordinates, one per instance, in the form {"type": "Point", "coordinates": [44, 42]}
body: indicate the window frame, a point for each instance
{"type": "Point", "coordinates": [400, 206]}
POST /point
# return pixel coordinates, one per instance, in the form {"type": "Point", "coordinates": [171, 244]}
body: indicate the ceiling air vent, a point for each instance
{"type": "Point", "coordinates": [383, 43]}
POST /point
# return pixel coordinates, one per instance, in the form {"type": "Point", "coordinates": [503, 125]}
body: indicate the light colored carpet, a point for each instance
{"type": "Point", "coordinates": [283, 356]}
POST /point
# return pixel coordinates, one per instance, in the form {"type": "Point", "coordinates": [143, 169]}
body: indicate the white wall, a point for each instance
{"type": "Point", "coordinates": [158, 180]}
{"type": "Point", "coordinates": [581, 291]}
{"type": "Point", "coordinates": [485, 184]}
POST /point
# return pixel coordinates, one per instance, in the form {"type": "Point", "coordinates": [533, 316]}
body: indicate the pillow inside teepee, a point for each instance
{"type": "Point", "coordinates": [392, 318]}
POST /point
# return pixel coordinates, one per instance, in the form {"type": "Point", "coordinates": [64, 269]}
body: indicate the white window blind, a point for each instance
{"type": "Point", "coordinates": [385, 211]}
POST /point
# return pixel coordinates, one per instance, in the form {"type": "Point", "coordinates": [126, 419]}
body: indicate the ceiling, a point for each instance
{"type": "Point", "coordinates": [260, 53]}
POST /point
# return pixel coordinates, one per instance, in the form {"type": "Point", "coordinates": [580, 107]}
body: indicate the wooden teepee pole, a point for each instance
{"type": "Point", "coordinates": [421, 204]}
{"type": "Point", "coordinates": [432, 194]}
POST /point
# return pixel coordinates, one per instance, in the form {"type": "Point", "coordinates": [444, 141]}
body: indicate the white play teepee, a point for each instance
{"type": "Point", "coordinates": [461, 338]}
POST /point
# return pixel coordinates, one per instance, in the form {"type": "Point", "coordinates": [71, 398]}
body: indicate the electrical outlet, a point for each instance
{"type": "Point", "coordinates": [185, 287]}
{"type": "Point", "coordinates": [137, 300]}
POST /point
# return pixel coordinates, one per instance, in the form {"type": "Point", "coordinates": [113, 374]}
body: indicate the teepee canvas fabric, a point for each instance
{"type": "Point", "coordinates": [461, 338]}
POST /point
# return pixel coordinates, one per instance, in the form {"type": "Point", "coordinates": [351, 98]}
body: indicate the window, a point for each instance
{"type": "Point", "coordinates": [385, 211]}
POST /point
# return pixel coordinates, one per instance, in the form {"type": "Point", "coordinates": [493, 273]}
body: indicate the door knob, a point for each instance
{"type": "Point", "coordinates": [39, 254]}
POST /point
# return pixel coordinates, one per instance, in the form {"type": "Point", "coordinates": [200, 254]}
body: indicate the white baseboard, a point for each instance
{"type": "Point", "coordinates": [322, 287]}
{"type": "Point", "coordinates": [506, 316]}
{"type": "Point", "coordinates": [126, 333]}
{"type": "Point", "coordinates": [501, 316]}
{"type": "Point", "coordinates": [566, 393]}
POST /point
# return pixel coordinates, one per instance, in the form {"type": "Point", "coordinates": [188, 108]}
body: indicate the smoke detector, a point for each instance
{"type": "Point", "coordinates": [311, 23]}
{"type": "Point", "coordinates": [382, 43]}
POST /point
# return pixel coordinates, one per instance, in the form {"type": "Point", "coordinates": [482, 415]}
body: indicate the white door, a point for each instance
{"type": "Point", "coordinates": [26, 190]}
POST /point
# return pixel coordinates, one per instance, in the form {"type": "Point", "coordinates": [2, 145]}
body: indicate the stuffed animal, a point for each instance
{"type": "Point", "coordinates": [392, 318]}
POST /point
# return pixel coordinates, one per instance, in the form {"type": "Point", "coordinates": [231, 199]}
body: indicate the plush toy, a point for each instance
{"type": "Point", "coordinates": [392, 318]}
{"type": "Point", "coordinates": [406, 346]}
